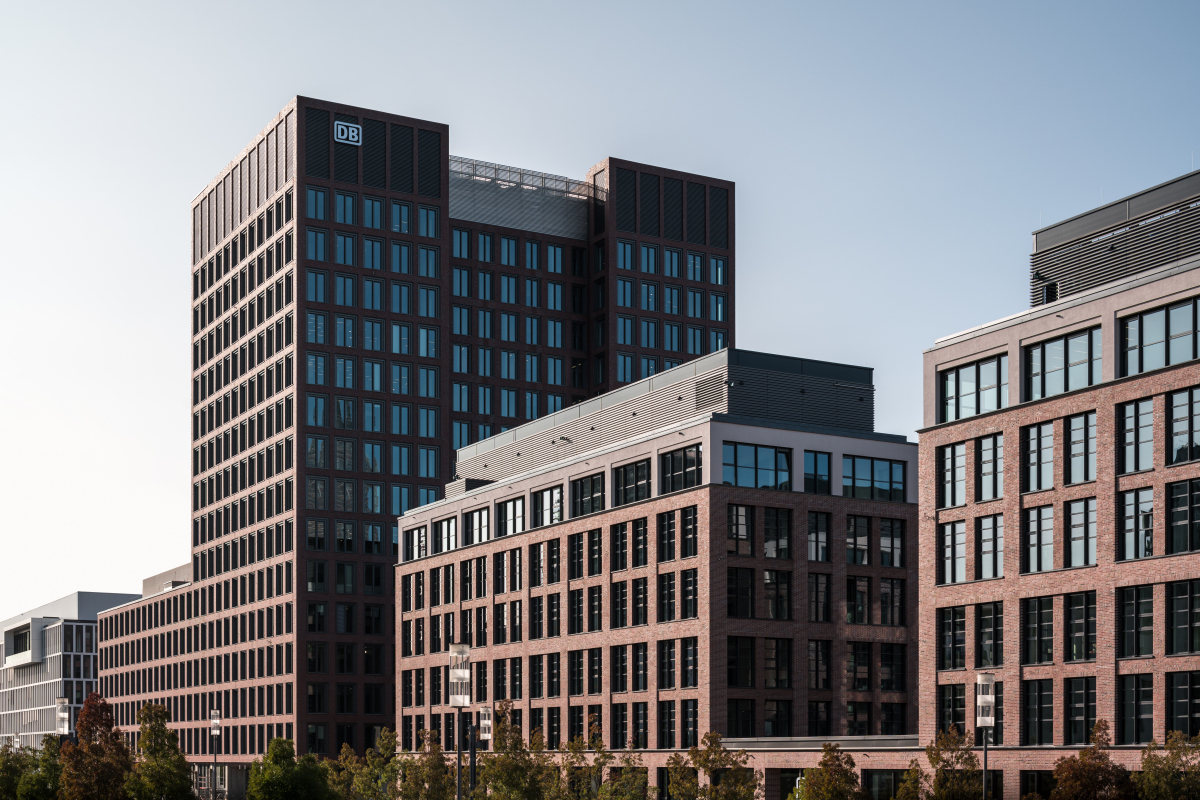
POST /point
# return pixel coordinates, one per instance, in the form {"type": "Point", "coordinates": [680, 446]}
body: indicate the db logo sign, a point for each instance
{"type": "Point", "coordinates": [347, 133]}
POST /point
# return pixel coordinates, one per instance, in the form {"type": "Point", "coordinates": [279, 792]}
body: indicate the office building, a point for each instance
{"type": "Point", "coordinates": [720, 547]}
{"type": "Point", "coordinates": [1072, 427]}
{"type": "Point", "coordinates": [364, 303]}
{"type": "Point", "coordinates": [48, 653]}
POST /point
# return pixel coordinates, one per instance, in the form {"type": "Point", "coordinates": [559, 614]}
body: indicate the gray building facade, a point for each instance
{"type": "Point", "coordinates": [47, 653]}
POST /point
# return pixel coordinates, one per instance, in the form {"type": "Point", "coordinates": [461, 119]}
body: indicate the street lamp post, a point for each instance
{"type": "Point", "coordinates": [460, 697]}
{"type": "Point", "coordinates": [214, 737]}
{"type": "Point", "coordinates": [985, 715]}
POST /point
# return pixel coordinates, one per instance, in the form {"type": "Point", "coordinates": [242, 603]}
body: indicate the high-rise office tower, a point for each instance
{"type": "Point", "coordinates": [363, 304]}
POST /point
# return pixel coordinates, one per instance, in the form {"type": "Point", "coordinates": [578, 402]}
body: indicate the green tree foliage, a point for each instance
{"type": "Point", "coordinates": [15, 762]}
{"type": "Point", "coordinates": [160, 771]}
{"type": "Point", "coordinates": [582, 766]}
{"type": "Point", "coordinates": [726, 776]}
{"type": "Point", "coordinates": [834, 778]}
{"type": "Point", "coordinates": [42, 780]}
{"type": "Point", "coordinates": [514, 769]}
{"type": "Point", "coordinates": [1092, 774]}
{"type": "Point", "coordinates": [282, 776]}
{"type": "Point", "coordinates": [426, 774]}
{"type": "Point", "coordinates": [628, 780]}
{"type": "Point", "coordinates": [95, 768]}
{"type": "Point", "coordinates": [377, 776]}
{"type": "Point", "coordinates": [1171, 772]}
{"type": "Point", "coordinates": [956, 774]}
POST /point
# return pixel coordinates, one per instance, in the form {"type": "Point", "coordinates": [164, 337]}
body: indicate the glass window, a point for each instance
{"type": "Point", "coordinates": [974, 388]}
{"type": "Point", "coordinates": [1154, 339]}
{"type": "Point", "coordinates": [1137, 530]}
{"type": "Point", "coordinates": [1136, 606]}
{"type": "Point", "coordinates": [816, 472]}
{"type": "Point", "coordinates": [989, 461]}
{"type": "Point", "coordinates": [1063, 365]}
{"type": "Point", "coordinates": [1135, 704]}
{"type": "Point", "coordinates": [989, 547]}
{"type": "Point", "coordinates": [953, 563]}
{"type": "Point", "coordinates": [1038, 712]}
{"type": "Point", "coordinates": [1081, 626]}
{"type": "Point", "coordinates": [1080, 463]}
{"type": "Point", "coordinates": [952, 464]}
{"type": "Point", "coordinates": [1081, 546]}
{"type": "Point", "coordinates": [873, 478]}
{"type": "Point", "coordinates": [952, 637]}
{"type": "Point", "coordinates": [989, 635]}
{"type": "Point", "coordinates": [1039, 539]}
{"type": "Point", "coordinates": [1038, 630]}
{"type": "Point", "coordinates": [756, 466]}
{"type": "Point", "coordinates": [681, 469]}
{"type": "Point", "coordinates": [1136, 421]}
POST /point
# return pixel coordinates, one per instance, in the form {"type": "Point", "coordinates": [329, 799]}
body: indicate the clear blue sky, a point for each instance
{"type": "Point", "coordinates": [891, 160]}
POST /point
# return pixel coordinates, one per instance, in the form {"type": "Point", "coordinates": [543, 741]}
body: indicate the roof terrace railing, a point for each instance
{"type": "Point", "coordinates": [525, 178]}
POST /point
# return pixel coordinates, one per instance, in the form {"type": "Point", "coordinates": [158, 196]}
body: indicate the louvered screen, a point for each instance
{"type": "Point", "coordinates": [402, 158]}
{"type": "Point", "coordinates": [673, 209]}
{"type": "Point", "coordinates": [695, 213]}
{"type": "Point", "coordinates": [429, 163]}
{"type": "Point", "coordinates": [626, 190]}
{"type": "Point", "coordinates": [718, 216]}
{"type": "Point", "coordinates": [1124, 249]}
{"type": "Point", "coordinates": [649, 225]}
{"type": "Point", "coordinates": [316, 143]}
{"type": "Point", "coordinates": [374, 147]}
{"type": "Point", "coordinates": [345, 156]}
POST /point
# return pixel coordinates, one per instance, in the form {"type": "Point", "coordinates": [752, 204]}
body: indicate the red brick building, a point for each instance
{"type": "Point", "coordinates": [363, 304]}
{"type": "Point", "coordinates": [725, 546]}
{"type": "Point", "coordinates": [1060, 477]}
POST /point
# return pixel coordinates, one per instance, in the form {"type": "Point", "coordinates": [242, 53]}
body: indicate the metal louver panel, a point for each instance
{"type": "Point", "coordinates": [673, 209]}
{"type": "Point", "coordinates": [316, 143]}
{"type": "Point", "coordinates": [718, 216]}
{"type": "Point", "coordinates": [695, 213]}
{"type": "Point", "coordinates": [374, 148]}
{"type": "Point", "coordinates": [626, 191]}
{"type": "Point", "coordinates": [402, 158]}
{"type": "Point", "coordinates": [1125, 248]}
{"type": "Point", "coordinates": [345, 156]}
{"type": "Point", "coordinates": [429, 163]}
{"type": "Point", "coordinates": [710, 391]}
{"type": "Point", "coordinates": [649, 226]}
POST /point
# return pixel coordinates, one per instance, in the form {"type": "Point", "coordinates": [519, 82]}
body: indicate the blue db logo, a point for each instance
{"type": "Point", "coordinates": [347, 133]}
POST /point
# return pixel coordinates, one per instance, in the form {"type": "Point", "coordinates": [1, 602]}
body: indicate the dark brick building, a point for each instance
{"type": "Point", "coordinates": [721, 547]}
{"type": "Point", "coordinates": [1072, 427]}
{"type": "Point", "coordinates": [363, 304]}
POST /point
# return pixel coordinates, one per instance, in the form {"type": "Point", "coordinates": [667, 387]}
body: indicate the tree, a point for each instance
{"type": "Point", "coordinates": [161, 772]}
{"type": "Point", "coordinates": [725, 772]}
{"type": "Point", "coordinates": [42, 780]}
{"type": "Point", "coordinates": [629, 780]}
{"type": "Point", "coordinates": [834, 778]}
{"type": "Point", "coordinates": [15, 762]}
{"type": "Point", "coordinates": [282, 776]}
{"type": "Point", "coordinates": [956, 774]}
{"type": "Point", "coordinates": [1092, 774]}
{"type": "Point", "coordinates": [427, 776]}
{"type": "Point", "coordinates": [514, 769]}
{"type": "Point", "coordinates": [582, 766]}
{"type": "Point", "coordinates": [340, 773]}
{"type": "Point", "coordinates": [95, 769]}
{"type": "Point", "coordinates": [1172, 772]}
{"type": "Point", "coordinates": [377, 776]}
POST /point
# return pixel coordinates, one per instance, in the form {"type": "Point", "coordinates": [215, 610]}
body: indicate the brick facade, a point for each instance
{"type": "Point", "coordinates": [1020, 582]}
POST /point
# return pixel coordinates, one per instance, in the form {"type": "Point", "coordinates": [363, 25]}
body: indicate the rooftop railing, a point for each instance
{"type": "Point", "coordinates": [525, 178]}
